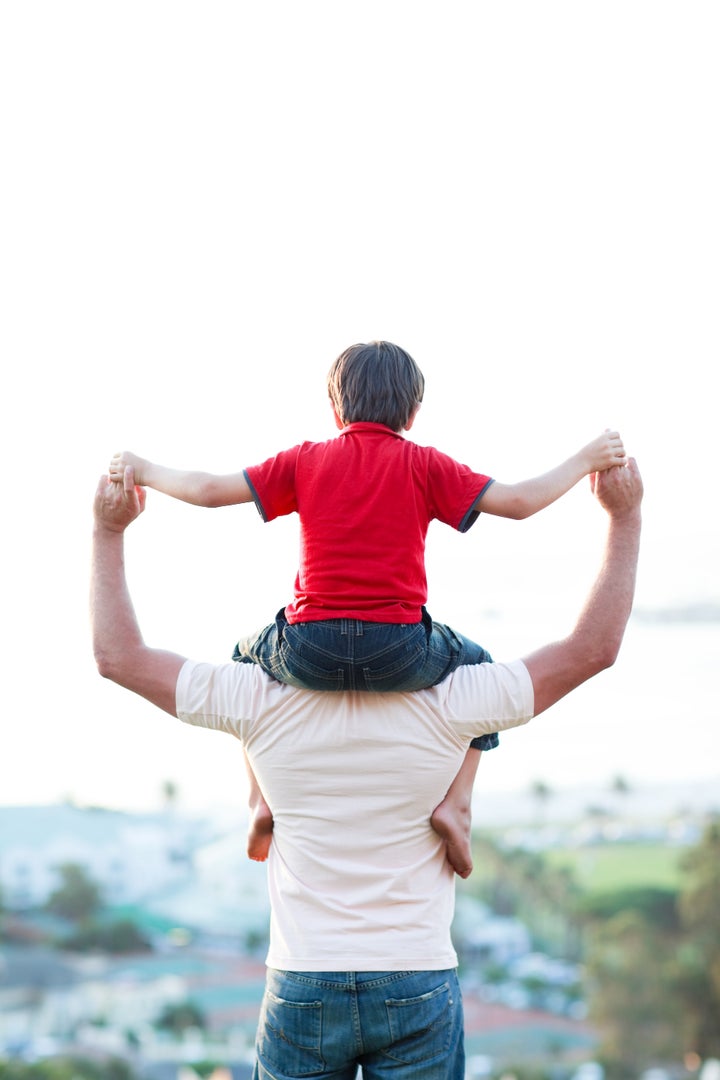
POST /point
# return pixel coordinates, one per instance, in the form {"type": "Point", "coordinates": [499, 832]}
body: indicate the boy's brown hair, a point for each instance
{"type": "Point", "coordinates": [378, 383]}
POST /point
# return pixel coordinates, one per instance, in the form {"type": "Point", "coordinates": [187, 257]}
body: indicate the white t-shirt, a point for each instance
{"type": "Point", "coordinates": [358, 879]}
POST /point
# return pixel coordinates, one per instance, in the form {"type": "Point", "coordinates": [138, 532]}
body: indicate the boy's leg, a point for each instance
{"type": "Point", "coordinates": [310, 656]}
{"type": "Point", "coordinates": [261, 819]}
{"type": "Point", "coordinates": [259, 649]}
{"type": "Point", "coordinates": [265, 649]}
{"type": "Point", "coordinates": [333, 655]}
{"type": "Point", "coordinates": [452, 818]}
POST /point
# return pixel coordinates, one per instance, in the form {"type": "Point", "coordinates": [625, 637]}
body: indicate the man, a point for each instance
{"type": "Point", "coordinates": [361, 968]}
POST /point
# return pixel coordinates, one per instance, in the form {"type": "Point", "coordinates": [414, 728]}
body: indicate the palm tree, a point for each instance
{"type": "Point", "coordinates": [170, 794]}
{"type": "Point", "coordinates": [620, 785]}
{"type": "Point", "coordinates": [541, 793]}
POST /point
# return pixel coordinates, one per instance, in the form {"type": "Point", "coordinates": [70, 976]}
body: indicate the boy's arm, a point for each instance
{"type": "Point", "coordinates": [525, 498]}
{"type": "Point", "coordinates": [198, 488]}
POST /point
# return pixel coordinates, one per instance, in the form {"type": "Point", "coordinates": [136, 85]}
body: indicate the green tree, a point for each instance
{"type": "Point", "coordinates": [77, 897]}
{"type": "Point", "coordinates": [699, 981]}
{"type": "Point", "coordinates": [631, 969]}
{"type": "Point", "coordinates": [67, 1068]}
{"type": "Point", "coordinates": [654, 966]}
{"type": "Point", "coordinates": [657, 906]}
{"type": "Point", "coordinates": [520, 883]}
{"type": "Point", "coordinates": [121, 936]}
{"type": "Point", "coordinates": [177, 1018]}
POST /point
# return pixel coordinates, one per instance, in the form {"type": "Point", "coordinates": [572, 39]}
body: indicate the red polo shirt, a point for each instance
{"type": "Point", "coordinates": [365, 500]}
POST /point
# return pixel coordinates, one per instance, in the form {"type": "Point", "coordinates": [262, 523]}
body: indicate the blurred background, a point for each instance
{"type": "Point", "coordinates": [202, 206]}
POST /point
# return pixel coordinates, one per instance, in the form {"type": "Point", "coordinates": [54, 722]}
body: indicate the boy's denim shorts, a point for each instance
{"type": "Point", "coordinates": [352, 654]}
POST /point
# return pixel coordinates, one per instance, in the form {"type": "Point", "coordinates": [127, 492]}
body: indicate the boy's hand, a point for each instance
{"type": "Point", "coordinates": [118, 470]}
{"type": "Point", "coordinates": [605, 451]}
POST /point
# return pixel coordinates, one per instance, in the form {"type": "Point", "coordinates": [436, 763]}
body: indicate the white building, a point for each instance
{"type": "Point", "coordinates": [226, 895]}
{"type": "Point", "coordinates": [128, 855]}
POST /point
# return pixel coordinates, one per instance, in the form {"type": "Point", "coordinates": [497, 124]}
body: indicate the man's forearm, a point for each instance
{"type": "Point", "coordinates": [120, 652]}
{"type": "Point", "coordinates": [601, 625]}
{"type": "Point", "coordinates": [595, 642]}
{"type": "Point", "coordinates": [115, 630]}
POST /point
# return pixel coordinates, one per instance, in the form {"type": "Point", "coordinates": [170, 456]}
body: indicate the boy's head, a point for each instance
{"type": "Point", "coordinates": [377, 383]}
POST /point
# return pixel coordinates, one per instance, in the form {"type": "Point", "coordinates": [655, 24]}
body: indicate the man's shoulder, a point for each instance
{"type": "Point", "coordinates": [223, 694]}
{"type": "Point", "coordinates": [501, 691]}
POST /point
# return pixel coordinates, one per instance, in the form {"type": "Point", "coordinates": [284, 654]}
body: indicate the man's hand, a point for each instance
{"type": "Point", "coordinates": [118, 504]}
{"type": "Point", "coordinates": [618, 490]}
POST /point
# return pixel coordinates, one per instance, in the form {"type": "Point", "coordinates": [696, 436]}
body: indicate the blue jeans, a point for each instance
{"type": "Point", "coordinates": [351, 654]}
{"type": "Point", "coordinates": [404, 1025]}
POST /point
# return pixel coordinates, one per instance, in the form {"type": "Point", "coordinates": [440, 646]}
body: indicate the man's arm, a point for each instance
{"type": "Point", "coordinates": [527, 497]}
{"type": "Point", "coordinates": [198, 488]}
{"type": "Point", "coordinates": [595, 642]}
{"type": "Point", "coordinates": [120, 652]}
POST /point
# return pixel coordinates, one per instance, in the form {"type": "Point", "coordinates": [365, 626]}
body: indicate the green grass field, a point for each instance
{"type": "Point", "coordinates": [616, 866]}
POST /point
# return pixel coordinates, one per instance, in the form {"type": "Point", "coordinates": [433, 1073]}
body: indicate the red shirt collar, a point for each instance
{"type": "Point", "coordinates": [366, 425]}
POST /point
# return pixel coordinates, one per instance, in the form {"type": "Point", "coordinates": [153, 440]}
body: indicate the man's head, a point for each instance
{"type": "Point", "coordinates": [377, 383]}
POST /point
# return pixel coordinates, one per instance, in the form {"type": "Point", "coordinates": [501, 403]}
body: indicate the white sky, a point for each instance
{"type": "Point", "coordinates": [203, 203]}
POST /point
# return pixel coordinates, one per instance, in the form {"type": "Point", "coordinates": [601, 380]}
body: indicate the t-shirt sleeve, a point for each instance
{"type": "Point", "coordinates": [272, 484]}
{"type": "Point", "coordinates": [478, 699]}
{"type": "Point", "coordinates": [453, 489]}
{"type": "Point", "coordinates": [222, 697]}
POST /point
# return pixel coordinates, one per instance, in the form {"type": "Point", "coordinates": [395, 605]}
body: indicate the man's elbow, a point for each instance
{"type": "Point", "coordinates": [113, 665]}
{"type": "Point", "coordinates": [602, 656]}
{"type": "Point", "coordinates": [106, 665]}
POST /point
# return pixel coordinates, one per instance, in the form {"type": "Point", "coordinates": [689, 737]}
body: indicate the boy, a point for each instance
{"type": "Point", "coordinates": [365, 499]}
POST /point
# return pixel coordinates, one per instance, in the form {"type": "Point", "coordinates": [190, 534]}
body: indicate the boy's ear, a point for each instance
{"type": "Point", "coordinates": [338, 422]}
{"type": "Point", "coordinates": [413, 414]}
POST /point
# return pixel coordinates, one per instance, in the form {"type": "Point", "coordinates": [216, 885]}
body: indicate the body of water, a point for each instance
{"type": "Point", "coordinates": [653, 718]}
